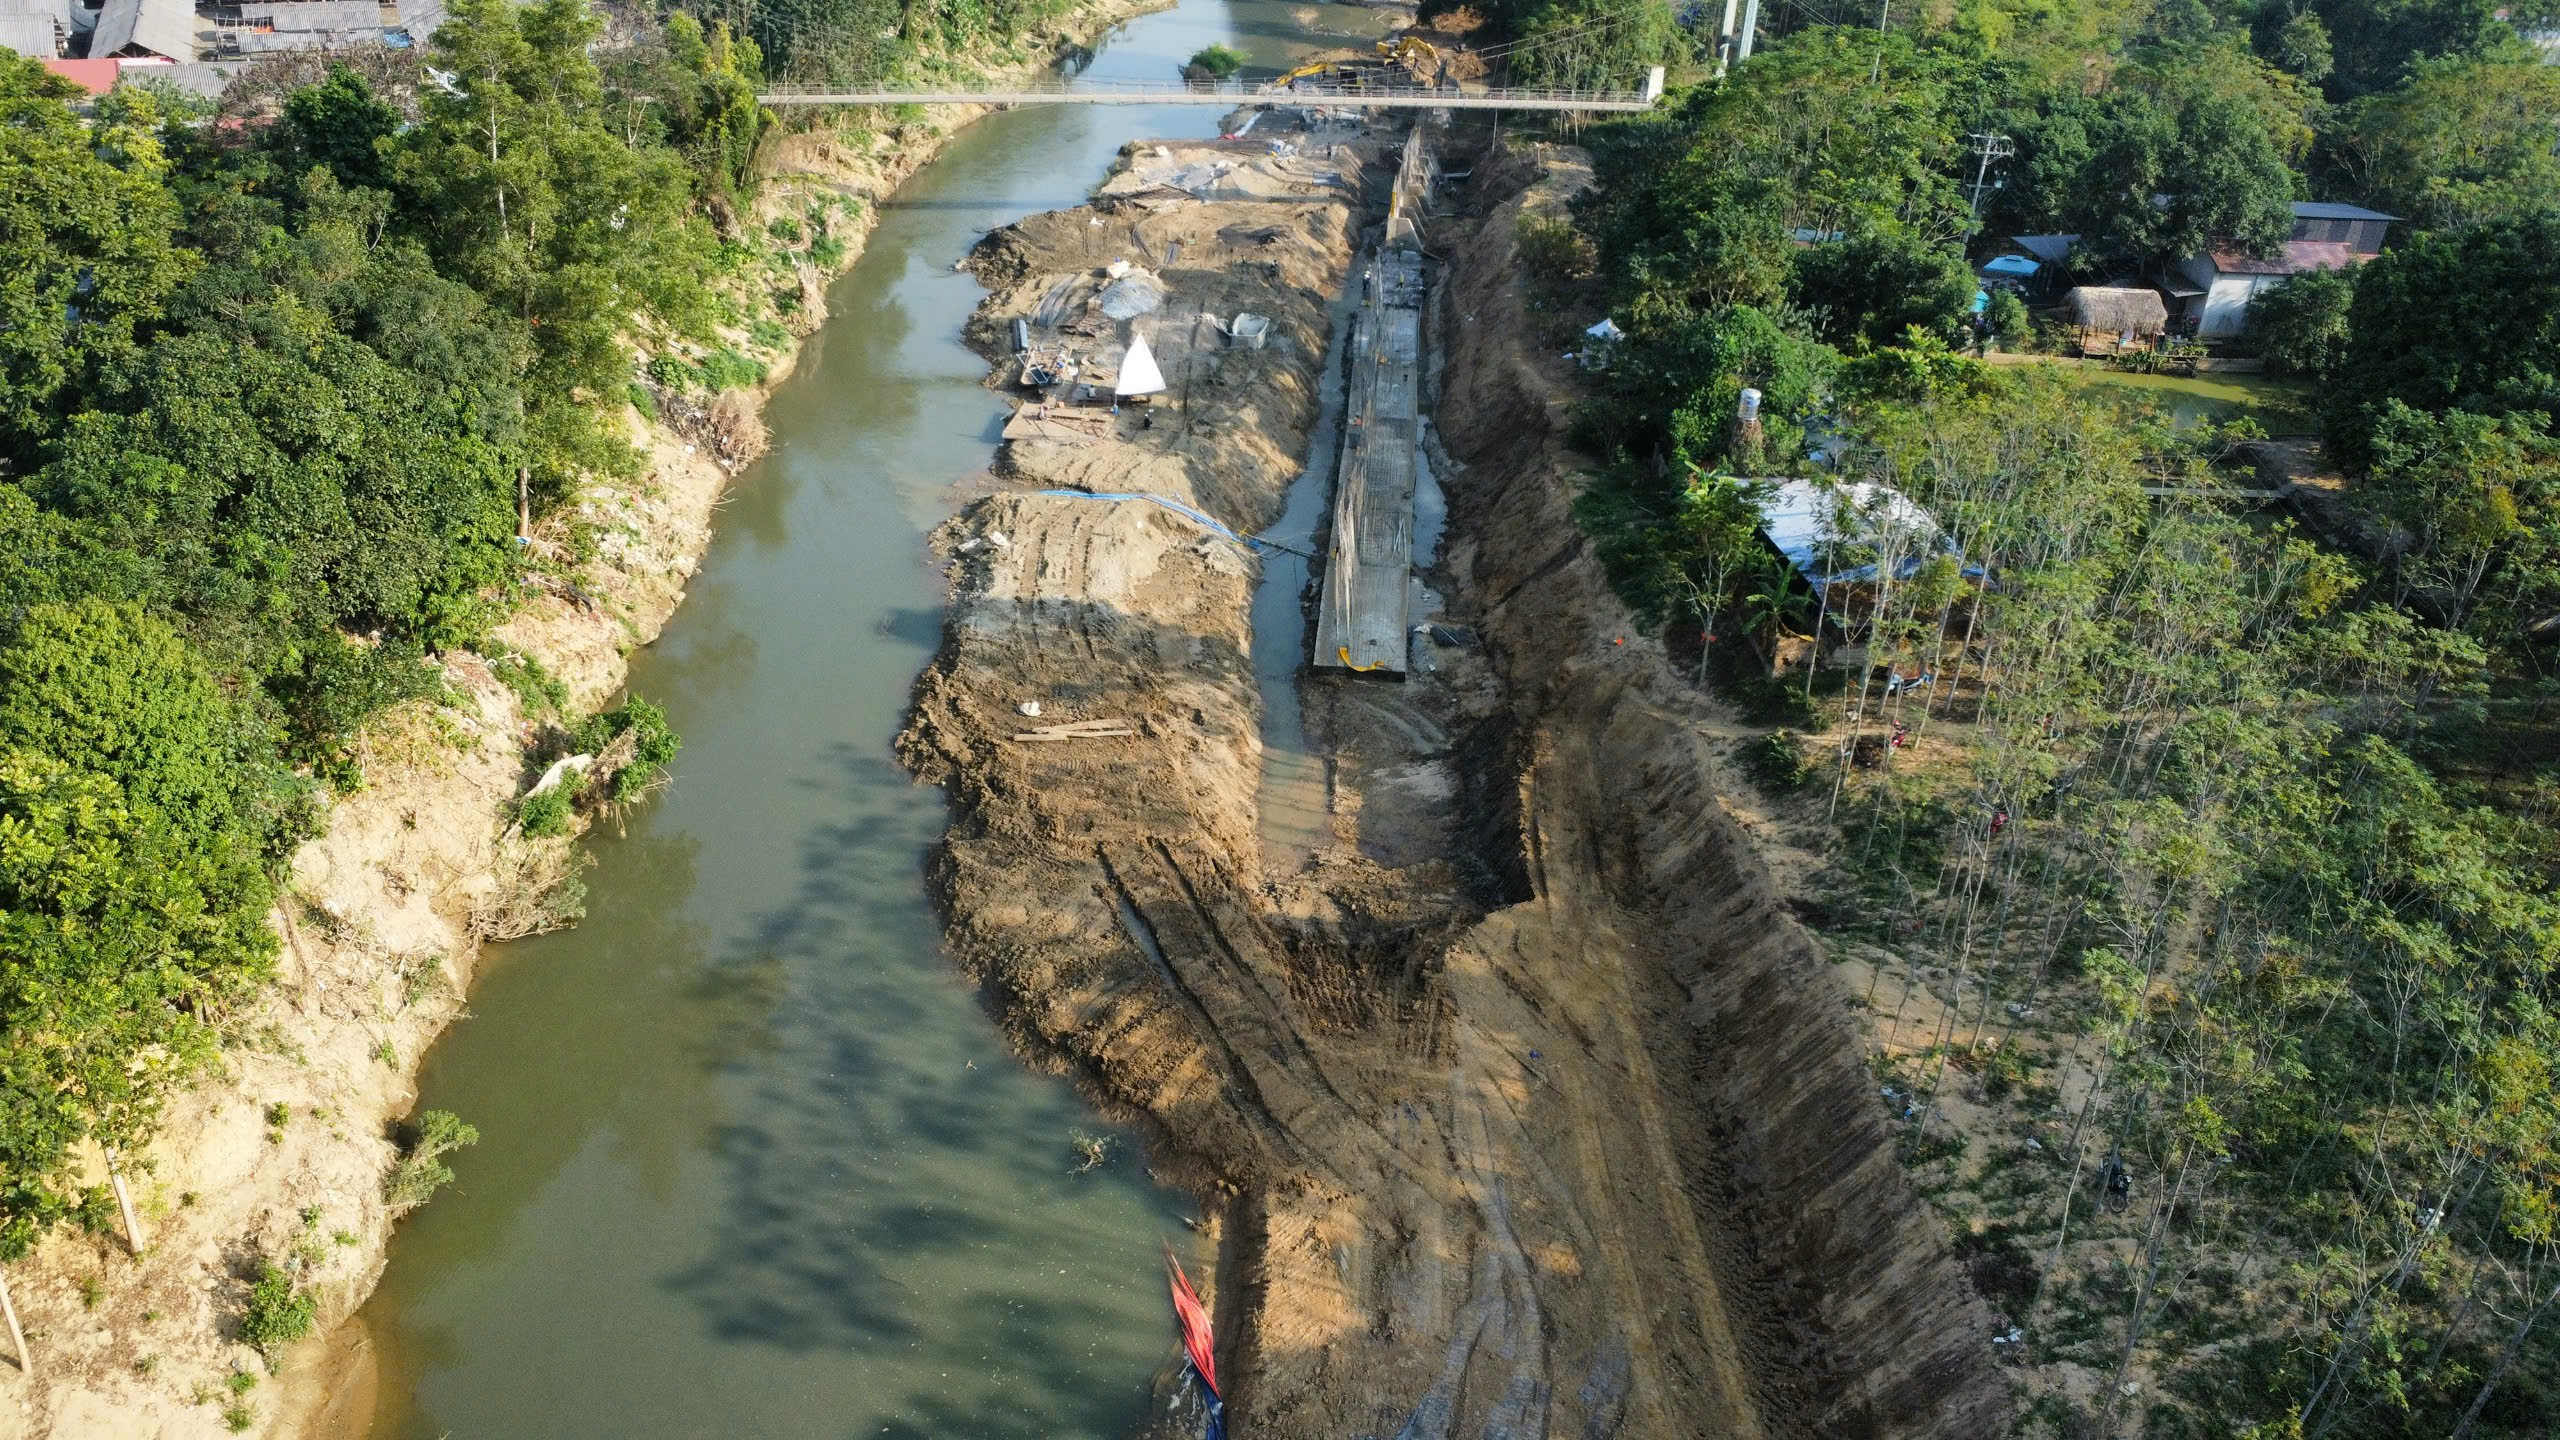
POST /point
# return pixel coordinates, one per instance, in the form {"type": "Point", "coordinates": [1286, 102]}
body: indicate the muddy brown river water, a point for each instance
{"type": "Point", "coordinates": [755, 1161]}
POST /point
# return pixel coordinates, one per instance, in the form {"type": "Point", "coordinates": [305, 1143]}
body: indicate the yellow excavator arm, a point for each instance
{"type": "Point", "coordinates": [1307, 71]}
{"type": "Point", "coordinates": [1418, 57]}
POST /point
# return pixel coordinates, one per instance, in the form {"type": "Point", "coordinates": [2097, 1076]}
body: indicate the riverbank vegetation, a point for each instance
{"type": "Point", "coordinates": [2203, 888]}
{"type": "Point", "coordinates": [294, 399]}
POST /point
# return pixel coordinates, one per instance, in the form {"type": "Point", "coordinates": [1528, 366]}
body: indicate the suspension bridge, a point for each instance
{"type": "Point", "coordinates": [1228, 95]}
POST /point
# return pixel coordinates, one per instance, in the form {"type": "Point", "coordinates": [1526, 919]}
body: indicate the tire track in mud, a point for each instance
{"type": "Point", "coordinates": [1452, 1195]}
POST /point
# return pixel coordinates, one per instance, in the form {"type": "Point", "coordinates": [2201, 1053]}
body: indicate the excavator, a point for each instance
{"type": "Point", "coordinates": [1407, 59]}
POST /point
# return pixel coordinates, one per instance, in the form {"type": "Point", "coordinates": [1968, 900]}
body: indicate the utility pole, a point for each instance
{"type": "Point", "coordinates": [1987, 148]}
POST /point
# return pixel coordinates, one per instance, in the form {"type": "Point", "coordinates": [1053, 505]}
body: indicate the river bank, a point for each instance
{"type": "Point", "coordinates": [280, 1156]}
{"type": "Point", "coordinates": [1521, 1107]}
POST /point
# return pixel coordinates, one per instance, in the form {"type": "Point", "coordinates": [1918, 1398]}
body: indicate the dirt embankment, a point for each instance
{"type": "Point", "coordinates": [1523, 1109]}
{"type": "Point", "coordinates": [281, 1155]}
{"type": "Point", "coordinates": [1893, 1339]}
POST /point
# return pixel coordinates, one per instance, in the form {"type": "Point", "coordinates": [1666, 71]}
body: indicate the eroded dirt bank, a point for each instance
{"type": "Point", "coordinates": [1523, 1109]}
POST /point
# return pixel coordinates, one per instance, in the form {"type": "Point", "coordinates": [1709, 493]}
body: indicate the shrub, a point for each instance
{"type": "Point", "coordinates": [279, 1312]}
{"type": "Point", "coordinates": [643, 401]}
{"type": "Point", "coordinates": [1552, 252]}
{"type": "Point", "coordinates": [1778, 760]}
{"type": "Point", "coordinates": [2009, 318]}
{"type": "Point", "coordinates": [545, 813]}
{"type": "Point", "coordinates": [422, 1172]}
{"type": "Point", "coordinates": [827, 253]}
{"type": "Point", "coordinates": [653, 741]}
{"type": "Point", "coordinates": [538, 692]}
{"type": "Point", "coordinates": [769, 336]}
{"type": "Point", "coordinates": [1217, 61]}
{"type": "Point", "coordinates": [96, 1212]}
{"type": "Point", "coordinates": [785, 229]}
{"type": "Point", "coordinates": [670, 371]}
{"type": "Point", "coordinates": [341, 685]}
{"type": "Point", "coordinates": [726, 369]}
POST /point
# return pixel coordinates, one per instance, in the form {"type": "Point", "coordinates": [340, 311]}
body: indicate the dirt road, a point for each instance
{"type": "Point", "coordinates": [1522, 1110]}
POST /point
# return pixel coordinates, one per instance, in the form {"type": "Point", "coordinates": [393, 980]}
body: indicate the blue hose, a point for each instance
{"type": "Point", "coordinates": [1176, 506]}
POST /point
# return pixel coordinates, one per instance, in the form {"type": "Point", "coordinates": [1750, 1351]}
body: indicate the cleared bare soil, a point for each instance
{"type": "Point", "coordinates": [1524, 1108]}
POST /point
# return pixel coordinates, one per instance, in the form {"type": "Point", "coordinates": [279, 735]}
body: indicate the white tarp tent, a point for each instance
{"type": "Point", "coordinates": [1139, 374]}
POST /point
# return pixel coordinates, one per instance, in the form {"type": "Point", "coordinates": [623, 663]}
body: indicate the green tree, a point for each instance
{"type": "Point", "coordinates": [340, 125]}
{"type": "Point", "coordinates": [1592, 44]}
{"type": "Point", "coordinates": [2299, 44]}
{"type": "Point", "coordinates": [2373, 41]}
{"type": "Point", "coordinates": [1874, 286]}
{"type": "Point", "coordinates": [1835, 133]}
{"type": "Point", "coordinates": [2465, 487]}
{"type": "Point", "coordinates": [121, 932]}
{"type": "Point", "coordinates": [2447, 321]}
{"type": "Point", "coordinates": [2164, 182]}
{"type": "Point", "coordinates": [2460, 141]}
{"type": "Point", "coordinates": [2300, 326]}
{"type": "Point", "coordinates": [85, 254]}
{"type": "Point", "coordinates": [528, 191]}
{"type": "Point", "coordinates": [107, 690]}
{"type": "Point", "coordinates": [2009, 319]}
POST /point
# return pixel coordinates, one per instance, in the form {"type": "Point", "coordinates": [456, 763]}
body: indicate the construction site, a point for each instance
{"type": "Point", "coordinates": [1514, 1102]}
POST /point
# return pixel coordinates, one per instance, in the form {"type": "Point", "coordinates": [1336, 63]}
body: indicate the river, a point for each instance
{"type": "Point", "coordinates": [755, 1160]}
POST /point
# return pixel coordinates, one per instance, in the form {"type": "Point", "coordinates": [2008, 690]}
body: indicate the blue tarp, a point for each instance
{"type": "Point", "coordinates": [2016, 267]}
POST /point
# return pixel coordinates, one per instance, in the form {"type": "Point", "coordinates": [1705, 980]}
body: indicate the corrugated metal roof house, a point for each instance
{"type": "Point", "coordinates": [422, 18]}
{"type": "Point", "coordinates": [145, 27]}
{"type": "Point", "coordinates": [34, 28]}
{"type": "Point", "coordinates": [35, 36]}
{"type": "Point", "coordinates": [1845, 534]}
{"type": "Point", "coordinates": [2326, 236]}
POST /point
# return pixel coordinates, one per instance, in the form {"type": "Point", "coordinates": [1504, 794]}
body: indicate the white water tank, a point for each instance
{"type": "Point", "coordinates": [1750, 405]}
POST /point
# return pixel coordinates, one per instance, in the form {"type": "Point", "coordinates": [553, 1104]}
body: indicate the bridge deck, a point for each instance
{"type": "Point", "coordinates": [1228, 95]}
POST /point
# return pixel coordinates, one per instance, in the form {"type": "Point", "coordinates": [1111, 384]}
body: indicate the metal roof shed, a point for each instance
{"type": "Point", "coordinates": [1843, 534]}
{"type": "Point", "coordinates": [2051, 249]}
{"type": "Point", "coordinates": [157, 27]}
{"type": "Point", "coordinates": [30, 35]}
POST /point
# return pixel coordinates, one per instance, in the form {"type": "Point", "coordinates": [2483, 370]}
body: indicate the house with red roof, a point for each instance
{"type": "Point", "coordinates": [2213, 290]}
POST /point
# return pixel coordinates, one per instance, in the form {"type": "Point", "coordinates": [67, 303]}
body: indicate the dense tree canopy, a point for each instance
{"type": "Point", "coordinates": [2267, 823]}
{"type": "Point", "coordinates": [2467, 320]}
{"type": "Point", "coordinates": [2460, 141]}
{"type": "Point", "coordinates": [270, 398]}
{"type": "Point", "coordinates": [86, 251]}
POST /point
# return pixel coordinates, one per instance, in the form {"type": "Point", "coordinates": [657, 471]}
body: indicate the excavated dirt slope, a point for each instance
{"type": "Point", "coordinates": [1523, 1110]}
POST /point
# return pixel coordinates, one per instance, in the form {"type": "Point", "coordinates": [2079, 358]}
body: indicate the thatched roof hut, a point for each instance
{"type": "Point", "coordinates": [2118, 311]}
